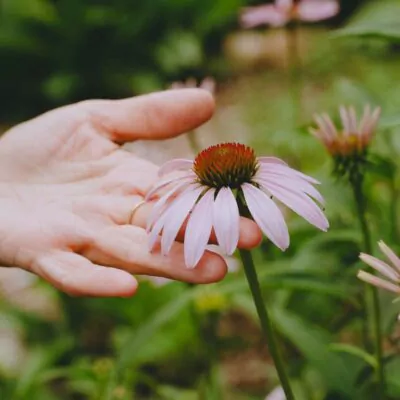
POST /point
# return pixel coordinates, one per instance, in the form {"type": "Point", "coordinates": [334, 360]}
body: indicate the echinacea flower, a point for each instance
{"type": "Point", "coordinates": [207, 83]}
{"type": "Point", "coordinates": [391, 272]}
{"type": "Point", "coordinates": [353, 137]}
{"type": "Point", "coordinates": [348, 144]}
{"type": "Point", "coordinates": [285, 11]}
{"type": "Point", "coordinates": [207, 192]}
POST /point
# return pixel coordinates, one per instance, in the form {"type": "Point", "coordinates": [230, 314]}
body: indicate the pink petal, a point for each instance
{"type": "Point", "coordinates": [344, 115]}
{"type": "Point", "coordinates": [284, 4]}
{"type": "Point", "coordinates": [156, 230]}
{"type": "Point", "coordinates": [265, 14]}
{"type": "Point", "coordinates": [282, 170]}
{"type": "Point", "coordinates": [162, 184]}
{"type": "Point", "coordinates": [159, 206]}
{"type": "Point", "coordinates": [271, 160]}
{"type": "Point", "coordinates": [380, 266]}
{"type": "Point", "coordinates": [173, 165]}
{"type": "Point", "coordinates": [226, 220]}
{"type": "Point", "coordinates": [317, 10]}
{"type": "Point", "coordinates": [176, 215]}
{"type": "Point", "coordinates": [298, 202]}
{"type": "Point", "coordinates": [267, 215]}
{"type": "Point", "coordinates": [390, 255]}
{"type": "Point", "coordinates": [290, 182]}
{"type": "Point", "coordinates": [374, 280]}
{"type": "Point", "coordinates": [198, 229]}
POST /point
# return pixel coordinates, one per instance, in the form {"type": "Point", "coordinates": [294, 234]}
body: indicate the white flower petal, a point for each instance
{"type": "Point", "coordinates": [161, 203]}
{"type": "Point", "coordinates": [389, 253]}
{"type": "Point", "coordinates": [298, 202]}
{"type": "Point", "coordinates": [317, 10]}
{"type": "Point", "coordinates": [173, 165]}
{"type": "Point", "coordinates": [226, 220]}
{"type": "Point", "coordinates": [284, 170]}
{"type": "Point", "coordinates": [198, 229]}
{"type": "Point", "coordinates": [162, 184]}
{"type": "Point", "coordinates": [374, 280]}
{"type": "Point", "coordinates": [271, 160]}
{"type": "Point", "coordinates": [267, 215]}
{"type": "Point", "coordinates": [290, 182]}
{"type": "Point", "coordinates": [176, 215]}
{"type": "Point", "coordinates": [380, 266]}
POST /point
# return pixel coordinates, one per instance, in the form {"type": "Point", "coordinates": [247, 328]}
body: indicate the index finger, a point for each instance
{"type": "Point", "coordinates": [158, 115]}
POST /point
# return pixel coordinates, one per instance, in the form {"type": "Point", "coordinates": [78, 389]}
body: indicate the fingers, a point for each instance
{"type": "Point", "coordinates": [126, 247]}
{"type": "Point", "coordinates": [77, 276]}
{"type": "Point", "coordinates": [154, 116]}
{"type": "Point", "coordinates": [250, 234]}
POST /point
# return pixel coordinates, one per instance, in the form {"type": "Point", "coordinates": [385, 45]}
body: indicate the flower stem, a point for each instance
{"type": "Point", "coordinates": [193, 141]}
{"type": "Point", "coordinates": [293, 62]}
{"type": "Point", "coordinates": [371, 292]}
{"type": "Point", "coordinates": [265, 321]}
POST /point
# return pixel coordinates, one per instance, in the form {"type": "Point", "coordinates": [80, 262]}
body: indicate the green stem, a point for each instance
{"type": "Point", "coordinates": [294, 63]}
{"type": "Point", "coordinates": [193, 142]}
{"type": "Point", "coordinates": [265, 321]}
{"type": "Point", "coordinates": [371, 291]}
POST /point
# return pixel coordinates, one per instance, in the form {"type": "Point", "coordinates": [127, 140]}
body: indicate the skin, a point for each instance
{"type": "Point", "coordinates": [67, 190]}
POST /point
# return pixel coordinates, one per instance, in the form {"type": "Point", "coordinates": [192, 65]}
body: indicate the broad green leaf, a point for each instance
{"type": "Point", "coordinates": [377, 19]}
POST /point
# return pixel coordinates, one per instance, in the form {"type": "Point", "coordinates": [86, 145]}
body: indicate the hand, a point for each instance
{"type": "Point", "coordinates": [67, 191]}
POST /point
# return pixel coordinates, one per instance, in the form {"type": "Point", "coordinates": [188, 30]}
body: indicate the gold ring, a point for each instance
{"type": "Point", "coordinates": [134, 210]}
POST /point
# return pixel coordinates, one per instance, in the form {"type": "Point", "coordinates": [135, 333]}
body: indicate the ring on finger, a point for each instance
{"type": "Point", "coordinates": [137, 206]}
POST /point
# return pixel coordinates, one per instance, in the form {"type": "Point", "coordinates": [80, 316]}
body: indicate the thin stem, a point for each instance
{"type": "Point", "coordinates": [265, 321]}
{"type": "Point", "coordinates": [294, 63]}
{"type": "Point", "coordinates": [193, 142]}
{"type": "Point", "coordinates": [371, 291]}
{"type": "Point", "coordinates": [393, 208]}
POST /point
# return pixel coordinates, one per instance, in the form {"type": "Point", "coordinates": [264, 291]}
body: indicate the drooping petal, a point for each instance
{"type": "Point", "coordinates": [380, 266]}
{"type": "Point", "coordinates": [159, 206]}
{"type": "Point", "coordinates": [266, 14]}
{"type": "Point", "coordinates": [267, 215]}
{"type": "Point", "coordinates": [374, 280]}
{"type": "Point", "coordinates": [389, 253]}
{"type": "Point", "coordinates": [289, 182]}
{"type": "Point", "coordinates": [198, 229]}
{"type": "Point", "coordinates": [271, 160]}
{"type": "Point", "coordinates": [317, 10]}
{"type": "Point", "coordinates": [176, 215]}
{"type": "Point", "coordinates": [283, 170]}
{"type": "Point", "coordinates": [162, 184]}
{"type": "Point", "coordinates": [174, 165]}
{"type": "Point", "coordinates": [226, 220]}
{"type": "Point", "coordinates": [298, 202]}
{"type": "Point", "coordinates": [156, 230]}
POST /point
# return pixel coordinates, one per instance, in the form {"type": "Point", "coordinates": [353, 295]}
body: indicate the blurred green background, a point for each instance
{"type": "Point", "coordinates": [171, 341]}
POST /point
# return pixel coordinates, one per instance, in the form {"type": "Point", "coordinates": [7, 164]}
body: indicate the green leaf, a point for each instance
{"type": "Point", "coordinates": [378, 19]}
{"type": "Point", "coordinates": [313, 342]}
{"type": "Point", "coordinates": [129, 352]}
{"type": "Point", "coordinates": [355, 351]}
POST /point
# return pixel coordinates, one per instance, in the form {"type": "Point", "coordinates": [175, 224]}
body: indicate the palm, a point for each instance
{"type": "Point", "coordinates": [74, 185]}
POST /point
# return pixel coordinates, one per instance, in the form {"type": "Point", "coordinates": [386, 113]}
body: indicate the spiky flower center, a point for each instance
{"type": "Point", "coordinates": [225, 164]}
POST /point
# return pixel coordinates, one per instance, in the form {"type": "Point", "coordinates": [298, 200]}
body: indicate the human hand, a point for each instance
{"type": "Point", "coordinates": [67, 190]}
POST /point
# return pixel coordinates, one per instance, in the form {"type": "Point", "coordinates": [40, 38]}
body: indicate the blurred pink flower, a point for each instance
{"type": "Point", "coordinates": [207, 192]}
{"type": "Point", "coordinates": [207, 83]}
{"type": "Point", "coordinates": [353, 138]}
{"type": "Point", "coordinates": [285, 11]}
{"type": "Point", "coordinates": [392, 272]}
